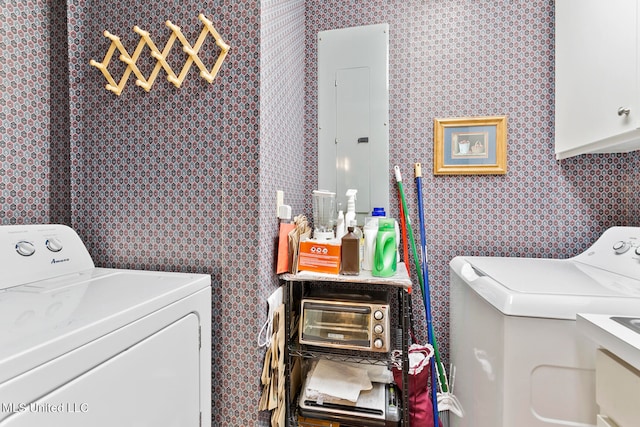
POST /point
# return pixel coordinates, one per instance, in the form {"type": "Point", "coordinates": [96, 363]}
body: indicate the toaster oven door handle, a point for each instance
{"type": "Point", "coordinates": [339, 308]}
{"type": "Point", "coordinates": [336, 342]}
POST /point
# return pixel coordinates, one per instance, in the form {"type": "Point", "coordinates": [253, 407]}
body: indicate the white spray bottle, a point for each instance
{"type": "Point", "coordinates": [351, 206]}
{"type": "Point", "coordinates": [341, 227]}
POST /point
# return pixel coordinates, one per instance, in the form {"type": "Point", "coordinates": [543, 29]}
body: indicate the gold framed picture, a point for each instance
{"type": "Point", "coordinates": [470, 146]}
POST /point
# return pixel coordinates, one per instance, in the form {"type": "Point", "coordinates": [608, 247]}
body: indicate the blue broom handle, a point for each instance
{"type": "Point", "coordinates": [426, 296]}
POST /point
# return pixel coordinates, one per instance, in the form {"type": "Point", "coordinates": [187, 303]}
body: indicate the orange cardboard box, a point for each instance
{"type": "Point", "coordinates": [319, 256]}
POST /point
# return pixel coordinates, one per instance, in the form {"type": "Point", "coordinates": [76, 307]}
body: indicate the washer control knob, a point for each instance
{"type": "Point", "coordinates": [378, 343]}
{"type": "Point", "coordinates": [638, 250]}
{"type": "Point", "coordinates": [621, 247]}
{"type": "Point", "coordinates": [378, 329]}
{"type": "Point", "coordinates": [378, 315]}
{"type": "Point", "coordinates": [25, 248]}
{"type": "Point", "coordinates": [54, 245]}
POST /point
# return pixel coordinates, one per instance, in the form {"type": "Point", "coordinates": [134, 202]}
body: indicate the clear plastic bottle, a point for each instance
{"type": "Point", "coordinates": [351, 206]}
{"type": "Point", "coordinates": [341, 228]}
{"type": "Point", "coordinates": [350, 253]}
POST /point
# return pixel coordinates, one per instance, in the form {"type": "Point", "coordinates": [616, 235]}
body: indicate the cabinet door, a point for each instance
{"type": "Point", "coordinates": [596, 71]}
{"type": "Point", "coordinates": [617, 390]}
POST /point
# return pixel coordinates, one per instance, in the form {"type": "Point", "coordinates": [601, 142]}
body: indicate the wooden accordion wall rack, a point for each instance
{"type": "Point", "coordinates": [161, 57]}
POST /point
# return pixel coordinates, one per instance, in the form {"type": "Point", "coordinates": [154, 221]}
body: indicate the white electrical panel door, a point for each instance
{"type": "Point", "coordinates": [353, 169]}
{"type": "Point", "coordinates": [353, 115]}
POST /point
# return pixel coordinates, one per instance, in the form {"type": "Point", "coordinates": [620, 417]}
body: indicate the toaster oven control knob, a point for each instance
{"type": "Point", "coordinates": [25, 248]}
{"type": "Point", "coordinates": [621, 247]}
{"type": "Point", "coordinates": [378, 329]}
{"type": "Point", "coordinates": [54, 245]}
{"type": "Point", "coordinates": [378, 343]}
{"type": "Point", "coordinates": [378, 315]}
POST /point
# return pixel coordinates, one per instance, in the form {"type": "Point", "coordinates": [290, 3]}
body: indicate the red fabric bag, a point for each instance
{"type": "Point", "coordinates": [420, 407]}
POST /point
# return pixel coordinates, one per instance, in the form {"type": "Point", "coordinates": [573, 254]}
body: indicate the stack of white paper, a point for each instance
{"type": "Point", "coordinates": [337, 380]}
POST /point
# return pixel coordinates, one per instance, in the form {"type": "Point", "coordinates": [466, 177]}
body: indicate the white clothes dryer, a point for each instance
{"type": "Point", "coordinates": [519, 358]}
{"type": "Point", "coordinates": [85, 346]}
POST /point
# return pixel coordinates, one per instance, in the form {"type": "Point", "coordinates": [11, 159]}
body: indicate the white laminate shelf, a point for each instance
{"type": "Point", "coordinates": [400, 279]}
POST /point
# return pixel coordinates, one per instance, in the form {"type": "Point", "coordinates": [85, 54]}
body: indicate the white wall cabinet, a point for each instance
{"type": "Point", "coordinates": [597, 77]}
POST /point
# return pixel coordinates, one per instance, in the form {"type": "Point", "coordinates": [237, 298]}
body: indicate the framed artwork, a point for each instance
{"type": "Point", "coordinates": [470, 146]}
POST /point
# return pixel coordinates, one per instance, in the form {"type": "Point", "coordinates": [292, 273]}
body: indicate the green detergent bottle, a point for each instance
{"type": "Point", "coordinates": [384, 259]}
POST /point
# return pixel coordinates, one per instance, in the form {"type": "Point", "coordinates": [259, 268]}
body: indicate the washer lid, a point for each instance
{"type": "Point", "coordinates": [548, 288]}
{"type": "Point", "coordinates": [45, 319]}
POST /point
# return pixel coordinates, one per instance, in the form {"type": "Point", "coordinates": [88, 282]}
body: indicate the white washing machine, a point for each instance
{"type": "Point", "coordinates": [520, 360]}
{"type": "Point", "coordinates": [85, 346]}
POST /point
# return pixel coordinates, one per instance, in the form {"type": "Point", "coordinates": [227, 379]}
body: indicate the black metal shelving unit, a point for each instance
{"type": "Point", "coordinates": [294, 290]}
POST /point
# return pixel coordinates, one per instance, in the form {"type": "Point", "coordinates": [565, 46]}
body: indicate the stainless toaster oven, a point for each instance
{"type": "Point", "coordinates": [341, 322]}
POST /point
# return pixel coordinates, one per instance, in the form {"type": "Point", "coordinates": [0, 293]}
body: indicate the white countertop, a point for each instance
{"type": "Point", "coordinates": [611, 335]}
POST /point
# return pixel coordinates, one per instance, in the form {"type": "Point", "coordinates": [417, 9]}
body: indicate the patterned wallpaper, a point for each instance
{"type": "Point", "coordinates": [468, 58]}
{"type": "Point", "coordinates": [60, 169]}
{"type": "Point", "coordinates": [185, 179]}
{"type": "Point", "coordinates": [168, 180]}
{"type": "Point", "coordinates": [25, 113]}
{"type": "Point", "coordinates": [282, 139]}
